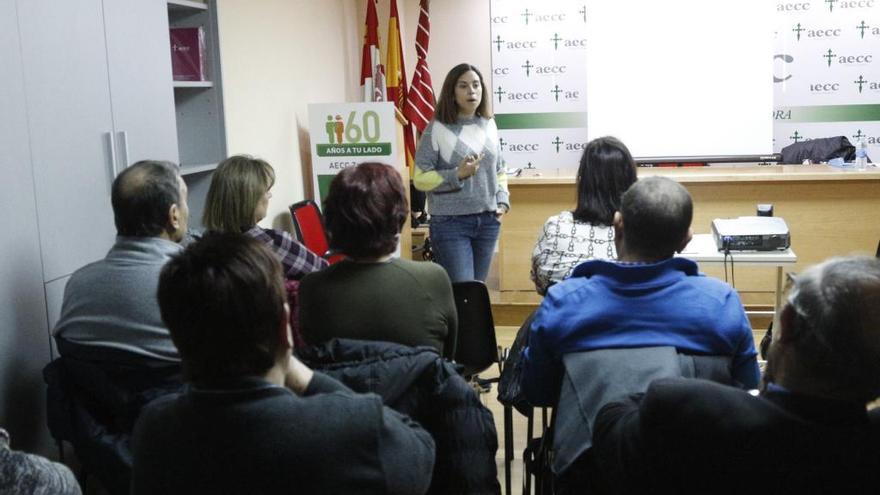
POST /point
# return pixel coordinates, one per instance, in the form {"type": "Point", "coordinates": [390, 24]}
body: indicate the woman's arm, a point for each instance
{"type": "Point", "coordinates": [428, 176]}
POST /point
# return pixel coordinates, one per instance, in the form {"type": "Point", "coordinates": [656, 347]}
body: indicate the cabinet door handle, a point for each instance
{"type": "Point", "coordinates": [125, 163]}
{"type": "Point", "coordinates": [112, 139]}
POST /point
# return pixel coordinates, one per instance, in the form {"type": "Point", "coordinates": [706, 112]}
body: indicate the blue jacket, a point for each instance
{"type": "Point", "coordinates": [608, 305]}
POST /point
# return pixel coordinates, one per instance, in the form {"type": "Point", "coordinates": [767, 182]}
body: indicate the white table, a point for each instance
{"type": "Point", "coordinates": [702, 249]}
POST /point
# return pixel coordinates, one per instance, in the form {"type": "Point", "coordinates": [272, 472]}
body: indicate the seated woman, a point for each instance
{"type": "Point", "coordinates": [606, 170]}
{"type": "Point", "coordinates": [373, 295]}
{"type": "Point", "coordinates": [238, 199]}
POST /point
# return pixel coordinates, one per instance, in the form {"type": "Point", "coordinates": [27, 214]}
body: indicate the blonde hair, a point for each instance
{"type": "Point", "coordinates": [236, 188]}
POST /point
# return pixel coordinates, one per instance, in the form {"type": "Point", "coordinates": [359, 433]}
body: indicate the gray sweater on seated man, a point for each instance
{"type": "Point", "coordinates": [110, 312]}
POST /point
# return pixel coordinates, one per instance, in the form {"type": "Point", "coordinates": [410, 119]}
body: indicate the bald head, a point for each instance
{"type": "Point", "coordinates": [829, 340]}
{"type": "Point", "coordinates": [143, 196]}
{"type": "Point", "coordinates": [655, 218]}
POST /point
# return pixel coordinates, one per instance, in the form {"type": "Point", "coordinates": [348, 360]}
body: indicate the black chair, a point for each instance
{"type": "Point", "coordinates": [592, 379]}
{"type": "Point", "coordinates": [94, 407]}
{"type": "Point", "coordinates": [477, 350]}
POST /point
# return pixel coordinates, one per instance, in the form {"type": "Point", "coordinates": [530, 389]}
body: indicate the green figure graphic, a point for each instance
{"type": "Point", "coordinates": [330, 129]}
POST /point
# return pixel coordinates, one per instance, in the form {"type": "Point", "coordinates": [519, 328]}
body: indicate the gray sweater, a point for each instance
{"type": "Point", "coordinates": [442, 148]}
{"type": "Point", "coordinates": [28, 474]}
{"type": "Point", "coordinates": [110, 306]}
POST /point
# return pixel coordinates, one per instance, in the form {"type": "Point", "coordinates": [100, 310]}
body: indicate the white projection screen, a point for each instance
{"type": "Point", "coordinates": [681, 77]}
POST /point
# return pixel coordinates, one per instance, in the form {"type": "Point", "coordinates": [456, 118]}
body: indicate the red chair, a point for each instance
{"type": "Point", "coordinates": [309, 226]}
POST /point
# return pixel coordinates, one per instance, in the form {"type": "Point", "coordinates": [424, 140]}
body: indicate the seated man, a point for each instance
{"type": "Point", "coordinates": [646, 298]}
{"type": "Point", "coordinates": [808, 431]}
{"type": "Point", "coordinates": [109, 312]}
{"type": "Point", "coordinates": [254, 419]}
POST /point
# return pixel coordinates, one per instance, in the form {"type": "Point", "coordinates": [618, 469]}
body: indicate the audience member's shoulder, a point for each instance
{"type": "Point", "coordinates": [684, 397]}
{"type": "Point", "coordinates": [160, 406]}
{"type": "Point", "coordinates": [350, 408]}
{"type": "Point", "coordinates": [710, 285]}
{"type": "Point", "coordinates": [426, 269]}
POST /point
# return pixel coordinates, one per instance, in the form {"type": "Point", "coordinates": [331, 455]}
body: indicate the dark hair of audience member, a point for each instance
{"type": "Point", "coordinates": [222, 300]}
{"type": "Point", "coordinates": [364, 210]}
{"type": "Point", "coordinates": [142, 196]}
{"type": "Point", "coordinates": [606, 170]}
{"type": "Point", "coordinates": [657, 214]}
{"type": "Point", "coordinates": [832, 347]}
{"type": "Point", "coordinates": [447, 109]}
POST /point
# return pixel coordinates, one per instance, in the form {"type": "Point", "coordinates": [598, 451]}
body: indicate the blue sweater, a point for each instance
{"type": "Point", "coordinates": [606, 305]}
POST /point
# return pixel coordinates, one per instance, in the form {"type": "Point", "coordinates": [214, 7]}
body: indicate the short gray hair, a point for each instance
{"type": "Point", "coordinates": [836, 330]}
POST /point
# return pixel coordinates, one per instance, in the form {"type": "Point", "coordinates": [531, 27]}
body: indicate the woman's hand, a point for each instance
{"type": "Point", "coordinates": [500, 211]}
{"type": "Point", "coordinates": [469, 166]}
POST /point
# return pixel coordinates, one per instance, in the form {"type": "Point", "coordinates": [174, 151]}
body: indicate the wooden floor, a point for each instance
{"type": "Point", "coordinates": [505, 336]}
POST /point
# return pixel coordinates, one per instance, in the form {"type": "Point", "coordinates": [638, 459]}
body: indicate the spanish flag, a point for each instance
{"type": "Point", "coordinates": [396, 79]}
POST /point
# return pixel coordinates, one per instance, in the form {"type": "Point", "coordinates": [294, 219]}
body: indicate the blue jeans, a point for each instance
{"type": "Point", "coordinates": [464, 244]}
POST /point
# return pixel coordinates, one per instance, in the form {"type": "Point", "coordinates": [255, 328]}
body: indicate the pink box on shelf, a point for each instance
{"type": "Point", "coordinates": [188, 54]}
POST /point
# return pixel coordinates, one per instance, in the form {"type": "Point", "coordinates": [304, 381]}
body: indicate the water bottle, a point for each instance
{"type": "Point", "coordinates": [861, 155]}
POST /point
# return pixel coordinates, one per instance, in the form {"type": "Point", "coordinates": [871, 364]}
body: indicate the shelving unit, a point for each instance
{"type": "Point", "coordinates": [201, 130]}
{"type": "Point", "coordinates": [201, 133]}
{"type": "Point", "coordinates": [193, 84]}
{"type": "Point", "coordinates": [186, 6]}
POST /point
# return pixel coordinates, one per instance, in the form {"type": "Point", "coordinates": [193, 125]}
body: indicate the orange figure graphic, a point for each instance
{"type": "Point", "coordinates": [340, 127]}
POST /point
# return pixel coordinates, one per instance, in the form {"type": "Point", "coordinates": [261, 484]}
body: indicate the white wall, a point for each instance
{"type": "Point", "coordinates": [277, 57]}
{"type": "Point", "coordinates": [280, 55]}
{"type": "Point", "coordinates": [459, 33]}
{"type": "Point", "coordinates": [24, 338]}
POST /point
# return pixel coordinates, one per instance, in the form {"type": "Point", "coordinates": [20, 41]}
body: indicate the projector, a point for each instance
{"type": "Point", "coordinates": [751, 234]}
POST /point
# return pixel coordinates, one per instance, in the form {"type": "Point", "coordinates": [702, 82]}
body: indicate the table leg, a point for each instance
{"type": "Point", "coordinates": [778, 305]}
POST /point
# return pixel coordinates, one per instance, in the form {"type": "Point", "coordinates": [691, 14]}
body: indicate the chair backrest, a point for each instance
{"type": "Point", "coordinates": [595, 378]}
{"type": "Point", "coordinates": [94, 406]}
{"type": "Point", "coordinates": [476, 348]}
{"type": "Point", "coordinates": [309, 225]}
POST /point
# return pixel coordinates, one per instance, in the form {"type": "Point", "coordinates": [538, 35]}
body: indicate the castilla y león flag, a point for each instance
{"type": "Point", "coordinates": [372, 72]}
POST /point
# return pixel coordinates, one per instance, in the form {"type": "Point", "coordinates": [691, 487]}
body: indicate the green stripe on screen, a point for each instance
{"type": "Point", "coordinates": [833, 113]}
{"type": "Point", "coordinates": [555, 120]}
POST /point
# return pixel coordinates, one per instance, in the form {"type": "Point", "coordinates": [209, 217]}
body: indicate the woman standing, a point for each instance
{"type": "Point", "coordinates": [459, 165]}
{"type": "Point", "coordinates": [606, 170]}
{"type": "Point", "coordinates": [239, 197]}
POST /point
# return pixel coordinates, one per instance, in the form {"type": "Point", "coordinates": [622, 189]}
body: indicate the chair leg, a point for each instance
{"type": "Point", "coordinates": [81, 478]}
{"type": "Point", "coordinates": [508, 446]}
{"type": "Point", "coordinates": [527, 476]}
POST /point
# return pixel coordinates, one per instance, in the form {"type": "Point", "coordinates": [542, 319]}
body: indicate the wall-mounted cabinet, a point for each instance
{"type": "Point", "coordinates": [98, 99]}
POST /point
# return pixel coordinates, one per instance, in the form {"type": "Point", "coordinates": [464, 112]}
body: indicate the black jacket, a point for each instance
{"type": "Point", "coordinates": [693, 436]}
{"type": "Point", "coordinates": [819, 150]}
{"type": "Point", "coordinates": [417, 382]}
{"type": "Point", "coordinates": [250, 436]}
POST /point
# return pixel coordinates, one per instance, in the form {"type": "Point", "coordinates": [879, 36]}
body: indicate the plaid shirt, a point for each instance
{"type": "Point", "coordinates": [295, 258]}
